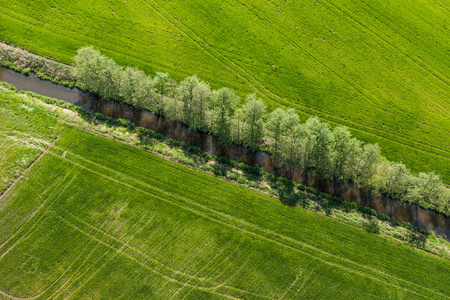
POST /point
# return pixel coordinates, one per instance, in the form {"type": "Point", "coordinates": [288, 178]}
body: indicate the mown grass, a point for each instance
{"type": "Point", "coordinates": [94, 218]}
{"type": "Point", "coordinates": [379, 68]}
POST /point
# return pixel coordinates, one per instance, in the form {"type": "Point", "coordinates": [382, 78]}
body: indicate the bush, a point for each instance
{"type": "Point", "coordinates": [121, 122]}
{"type": "Point", "coordinates": [100, 117]}
{"type": "Point", "coordinates": [367, 210]}
{"type": "Point", "coordinates": [395, 223]}
{"type": "Point", "coordinates": [145, 131]}
{"type": "Point", "coordinates": [158, 136]}
{"type": "Point", "coordinates": [325, 196]}
{"type": "Point", "coordinates": [173, 143]}
{"type": "Point", "coordinates": [301, 187]}
{"type": "Point", "coordinates": [286, 182]}
{"type": "Point", "coordinates": [223, 160]}
{"type": "Point", "coordinates": [311, 190]}
{"type": "Point", "coordinates": [195, 150]}
{"type": "Point", "coordinates": [337, 201]}
{"type": "Point", "coordinates": [383, 217]}
{"type": "Point", "coordinates": [406, 225]}
{"type": "Point", "coordinates": [207, 156]}
{"type": "Point", "coordinates": [271, 178]}
{"type": "Point", "coordinates": [422, 231]}
{"type": "Point", "coordinates": [26, 72]}
{"type": "Point", "coordinates": [372, 226]}
{"type": "Point", "coordinates": [184, 146]}
{"type": "Point", "coordinates": [351, 205]}
{"type": "Point", "coordinates": [226, 161]}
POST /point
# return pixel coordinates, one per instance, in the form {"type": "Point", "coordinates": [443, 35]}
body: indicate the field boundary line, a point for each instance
{"type": "Point", "coordinates": [122, 251]}
{"type": "Point", "coordinates": [430, 70]}
{"type": "Point", "coordinates": [28, 137]}
{"type": "Point", "coordinates": [16, 298]}
{"type": "Point", "coordinates": [292, 285]}
{"type": "Point", "coordinates": [29, 230]}
{"type": "Point", "coordinates": [64, 283]}
{"type": "Point", "coordinates": [219, 219]}
{"type": "Point", "coordinates": [12, 184]}
{"type": "Point", "coordinates": [126, 245]}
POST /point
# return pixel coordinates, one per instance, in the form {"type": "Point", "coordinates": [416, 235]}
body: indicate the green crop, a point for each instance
{"type": "Point", "coordinates": [96, 217]}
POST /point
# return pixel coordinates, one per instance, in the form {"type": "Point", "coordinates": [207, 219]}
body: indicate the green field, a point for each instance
{"type": "Point", "coordinates": [96, 218]}
{"type": "Point", "coordinates": [381, 68]}
{"type": "Point", "coordinates": [25, 130]}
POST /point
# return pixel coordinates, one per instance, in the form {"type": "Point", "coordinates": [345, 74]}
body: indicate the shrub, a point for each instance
{"type": "Point", "coordinates": [158, 136]}
{"type": "Point", "coordinates": [207, 156]}
{"type": "Point", "coordinates": [325, 196]}
{"type": "Point", "coordinates": [184, 146]}
{"type": "Point", "coordinates": [121, 122]}
{"type": "Point", "coordinates": [372, 226]}
{"type": "Point", "coordinates": [195, 150]}
{"type": "Point", "coordinates": [311, 190]}
{"type": "Point", "coordinates": [271, 178]}
{"type": "Point", "coordinates": [301, 187]}
{"type": "Point", "coordinates": [367, 210]}
{"type": "Point", "coordinates": [173, 143]}
{"type": "Point", "coordinates": [406, 225]}
{"type": "Point", "coordinates": [145, 131]}
{"type": "Point", "coordinates": [383, 217]}
{"type": "Point", "coordinates": [337, 201]}
{"type": "Point", "coordinates": [395, 223]}
{"type": "Point", "coordinates": [422, 231]}
{"type": "Point", "coordinates": [100, 117]}
{"type": "Point", "coordinates": [223, 160]}
{"type": "Point", "coordinates": [26, 72]}
{"type": "Point", "coordinates": [351, 205]}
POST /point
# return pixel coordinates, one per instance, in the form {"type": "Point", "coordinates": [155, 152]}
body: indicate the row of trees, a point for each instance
{"type": "Point", "coordinates": [312, 146]}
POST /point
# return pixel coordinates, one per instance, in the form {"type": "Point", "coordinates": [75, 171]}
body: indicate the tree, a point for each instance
{"type": "Point", "coordinates": [98, 73]}
{"type": "Point", "coordinates": [85, 69]}
{"type": "Point", "coordinates": [109, 78]}
{"type": "Point", "coordinates": [398, 179]}
{"type": "Point", "coordinates": [160, 84]}
{"type": "Point", "coordinates": [171, 88]}
{"type": "Point", "coordinates": [280, 122]}
{"type": "Point", "coordinates": [344, 153]}
{"type": "Point", "coordinates": [291, 147]}
{"type": "Point", "coordinates": [253, 113]}
{"type": "Point", "coordinates": [237, 126]}
{"type": "Point", "coordinates": [202, 93]}
{"type": "Point", "coordinates": [173, 109]}
{"type": "Point", "coordinates": [185, 92]}
{"type": "Point", "coordinates": [427, 188]}
{"type": "Point", "coordinates": [224, 103]}
{"type": "Point", "coordinates": [308, 140]}
{"type": "Point", "coordinates": [322, 149]}
{"type": "Point", "coordinates": [365, 166]}
{"type": "Point", "coordinates": [135, 87]}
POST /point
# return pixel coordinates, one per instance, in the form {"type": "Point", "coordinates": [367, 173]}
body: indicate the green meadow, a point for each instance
{"type": "Point", "coordinates": [97, 218]}
{"type": "Point", "coordinates": [381, 68]}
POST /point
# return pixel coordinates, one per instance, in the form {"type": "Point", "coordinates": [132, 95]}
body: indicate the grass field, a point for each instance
{"type": "Point", "coordinates": [94, 217]}
{"type": "Point", "coordinates": [380, 68]}
{"type": "Point", "coordinates": [25, 130]}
